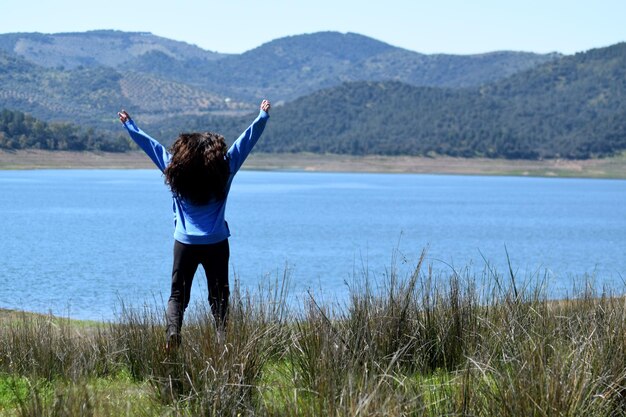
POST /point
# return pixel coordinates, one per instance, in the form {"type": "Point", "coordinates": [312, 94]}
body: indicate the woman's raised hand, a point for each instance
{"type": "Point", "coordinates": [124, 116]}
{"type": "Point", "coordinates": [265, 106]}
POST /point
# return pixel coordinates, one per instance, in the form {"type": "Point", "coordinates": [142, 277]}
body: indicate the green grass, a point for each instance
{"type": "Point", "coordinates": [420, 345]}
{"type": "Point", "coordinates": [96, 396]}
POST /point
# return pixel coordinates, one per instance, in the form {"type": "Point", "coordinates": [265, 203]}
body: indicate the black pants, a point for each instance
{"type": "Point", "coordinates": [214, 259]}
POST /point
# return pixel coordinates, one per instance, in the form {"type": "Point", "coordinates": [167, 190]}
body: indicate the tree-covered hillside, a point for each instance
{"type": "Point", "coordinates": [294, 66]}
{"type": "Point", "coordinates": [571, 106]}
{"type": "Point", "coordinates": [96, 93]}
{"type": "Point", "coordinates": [110, 48]}
{"type": "Point", "coordinates": [22, 131]}
{"type": "Point", "coordinates": [283, 69]}
{"type": "Point", "coordinates": [574, 108]}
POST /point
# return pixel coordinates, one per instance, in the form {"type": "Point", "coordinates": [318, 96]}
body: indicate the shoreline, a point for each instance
{"type": "Point", "coordinates": [10, 315]}
{"type": "Point", "coordinates": [614, 167]}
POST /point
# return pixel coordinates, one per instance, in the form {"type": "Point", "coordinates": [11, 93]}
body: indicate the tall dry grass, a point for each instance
{"type": "Point", "coordinates": [423, 344]}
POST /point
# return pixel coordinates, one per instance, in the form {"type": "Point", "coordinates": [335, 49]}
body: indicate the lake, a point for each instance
{"type": "Point", "coordinates": [78, 242]}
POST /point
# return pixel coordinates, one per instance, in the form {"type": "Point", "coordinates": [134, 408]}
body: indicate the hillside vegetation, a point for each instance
{"type": "Point", "coordinates": [22, 131]}
{"type": "Point", "coordinates": [574, 107]}
{"type": "Point", "coordinates": [109, 48]}
{"type": "Point", "coordinates": [96, 93]}
{"type": "Point", "coordinates": [332, 93]}
{"type": "Point", "coordinates": [294, 66]}
{"type": "Point", "coordinates": [283, 69]}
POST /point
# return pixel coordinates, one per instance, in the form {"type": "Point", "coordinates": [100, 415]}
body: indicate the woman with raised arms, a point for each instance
{"type": "Point", "coordinates": [199, 170]}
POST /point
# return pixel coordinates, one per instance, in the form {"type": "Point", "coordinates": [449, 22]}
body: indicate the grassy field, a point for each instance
{"type": "Point", "coordinates": [593, 168]}
{"type": "Point", "coordinates": [417, 346]}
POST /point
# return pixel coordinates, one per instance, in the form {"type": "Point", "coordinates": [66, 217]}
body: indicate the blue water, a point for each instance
{"type": "Point", "coordinates": [79, 242]}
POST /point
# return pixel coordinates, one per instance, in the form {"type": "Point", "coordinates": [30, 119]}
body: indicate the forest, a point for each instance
{"type": "Point", "coordinates": [22, 131]}
{"type": "Point", "coordinates": [572, 107]}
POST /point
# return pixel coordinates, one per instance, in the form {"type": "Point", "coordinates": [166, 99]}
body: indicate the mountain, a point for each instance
{"type": "Point", "coordinates": [341, 93]}
{"type": "Point", "coordinates": [574, 107]}
{"type": "Point", "coordinates": [283, 69]}
{"type": "Point", "coordinates": [95, 94]}
{"type": "Point", "coordinates": [108, 48]}
{"type": "Point", "coordinates": [291, 67]}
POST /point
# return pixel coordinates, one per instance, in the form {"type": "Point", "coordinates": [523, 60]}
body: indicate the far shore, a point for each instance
{"type": "Point", "coordinates": [590, 168]}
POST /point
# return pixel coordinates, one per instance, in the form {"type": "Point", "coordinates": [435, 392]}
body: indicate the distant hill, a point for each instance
{"type": "Point", "coordinates": [574, 107]}
{"type": "Point", "coordinates": [94, 94]}
{"type": "Point", "coordinates": [22, 131]}
{"type": "Point", "coordinates": [109, 48]}
{"type": "Point", "coordinates": [283, 69]}
{"type": "Point", "coordinates": [332, 92]}
{"type": "Point", "coordinates": [291, 67]}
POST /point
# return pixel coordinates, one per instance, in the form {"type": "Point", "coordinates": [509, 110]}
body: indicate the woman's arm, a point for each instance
{"type": "Point", "coordinates": [240, 150]}
{"type": "Point", "coordinates": [151, 147]}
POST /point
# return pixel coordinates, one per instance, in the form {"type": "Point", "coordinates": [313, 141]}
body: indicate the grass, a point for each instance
{"type": "Point", "coordinates": [420, 345]}
{"type": "Point", "coordinates": [97, 396]}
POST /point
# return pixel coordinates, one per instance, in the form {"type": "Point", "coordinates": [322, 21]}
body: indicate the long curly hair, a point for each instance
{"type": "Point", "coordinates": [198, 171]}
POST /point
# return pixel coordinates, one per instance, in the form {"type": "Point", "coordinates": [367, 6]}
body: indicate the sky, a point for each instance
{"type": "Point", "coordinates": [444, 26]}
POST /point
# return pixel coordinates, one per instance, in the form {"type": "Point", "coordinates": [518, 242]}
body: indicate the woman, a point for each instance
{"type": "Point", "coordinates": [199, 171]}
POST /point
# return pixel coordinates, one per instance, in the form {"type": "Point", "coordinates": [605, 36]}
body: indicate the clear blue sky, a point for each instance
{"type": "Point", "coordinates": [234, 26]}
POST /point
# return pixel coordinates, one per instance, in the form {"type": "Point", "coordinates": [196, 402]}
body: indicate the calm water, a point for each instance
{"type": "Point", "coordinates": [77, 242]}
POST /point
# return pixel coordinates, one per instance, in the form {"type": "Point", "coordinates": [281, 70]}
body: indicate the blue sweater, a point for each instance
{"type": "Point", "coordinates": [201, 224]}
